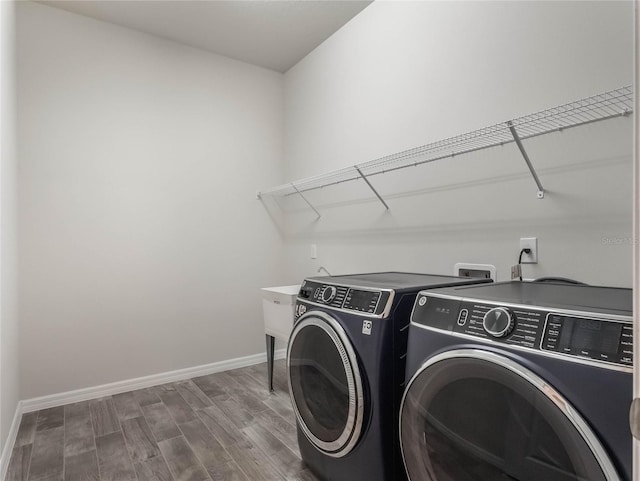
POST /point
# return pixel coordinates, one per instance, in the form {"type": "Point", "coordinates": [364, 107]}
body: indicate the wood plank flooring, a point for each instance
{"type": "Point", "coordinates": [225, 426]}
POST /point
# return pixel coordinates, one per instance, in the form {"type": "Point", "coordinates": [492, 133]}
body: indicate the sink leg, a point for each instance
{"type": "Point", "coordinates": [271, 342]}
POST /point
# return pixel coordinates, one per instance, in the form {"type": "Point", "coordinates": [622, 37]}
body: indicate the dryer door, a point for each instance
{"type": "Point", "coordinates": [325, 384]}
{"type": "Point", "coordinates": [478, 416]}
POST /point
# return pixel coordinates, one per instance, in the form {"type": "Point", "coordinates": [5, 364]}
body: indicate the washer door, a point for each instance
{"type": "Point", "coordinates": [325, 384]}
{"type": "Point", "coordinates": [472, 415]}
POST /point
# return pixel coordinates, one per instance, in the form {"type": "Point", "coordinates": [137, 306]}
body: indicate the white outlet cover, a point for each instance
{"type": "Point", "coordinates": [529, 243]}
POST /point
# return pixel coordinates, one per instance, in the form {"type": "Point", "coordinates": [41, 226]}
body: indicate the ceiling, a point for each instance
{"type": "Point", "coordinates": [274, 34]}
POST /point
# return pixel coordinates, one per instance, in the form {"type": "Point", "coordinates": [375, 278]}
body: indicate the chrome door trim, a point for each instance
{"type": "Point", "coordinates": [351, 434]}
{"type": "Point", "coordinates": [549, 391]}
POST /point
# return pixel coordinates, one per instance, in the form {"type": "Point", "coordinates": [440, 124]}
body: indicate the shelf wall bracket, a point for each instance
{"type": "Point", "coordinates": [364, 177]}
{"type": "Point", "coordinates": [518, 142]}
{"type": "Point", "coordinates": [305, 199]}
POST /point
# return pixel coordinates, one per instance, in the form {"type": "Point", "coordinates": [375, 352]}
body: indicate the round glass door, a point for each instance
{"type": "Point", "coordinates": [325, 384]}
{"type": "Point", "coordinates": [472, 415]}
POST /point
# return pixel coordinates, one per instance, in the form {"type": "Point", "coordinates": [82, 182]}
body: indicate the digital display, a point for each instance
{"type": "Point", "coordinates": [436, 312]}
{"type": "Point", "coordinates": [361, 300]}
{"type": "Point", "coordinates": [589, 335]}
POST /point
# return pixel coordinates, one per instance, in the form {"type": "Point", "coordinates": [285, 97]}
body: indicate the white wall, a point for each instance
{"type": "Point", "coordinates": [142, 246]}
{"type": "Point", "coordinates": [402, 74]}
{"type": "Point", "coordinates": [9, 387]}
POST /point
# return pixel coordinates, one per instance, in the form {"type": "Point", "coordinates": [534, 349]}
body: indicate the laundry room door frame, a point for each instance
{"type": "Point", "coordinates": [636, 227]}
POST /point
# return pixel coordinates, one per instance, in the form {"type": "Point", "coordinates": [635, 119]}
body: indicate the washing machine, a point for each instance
{"type": "Point", "coordinates": [346, 364]}
{"type": "Point", "coordinates": [519, 381]}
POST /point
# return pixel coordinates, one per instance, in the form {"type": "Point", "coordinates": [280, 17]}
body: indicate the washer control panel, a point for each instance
{"type": "Point", "coordinates": [511, 325]}
{"type": "Point", "coordinates": [602, 340]}
{"type": "Point", "coordinates": [594, 337]}
{"type": "Point", "coordinates": [365, 301]}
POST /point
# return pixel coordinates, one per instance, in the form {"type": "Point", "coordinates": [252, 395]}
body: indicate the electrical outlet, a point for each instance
{"type": "Point", "coordinates": [529, 243]}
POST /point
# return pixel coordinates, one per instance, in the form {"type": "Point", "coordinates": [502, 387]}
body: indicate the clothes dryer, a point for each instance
{"type": "Point", "coordinates": [346, 365]}
{"type": "Point", "coordinates": [519, 381]}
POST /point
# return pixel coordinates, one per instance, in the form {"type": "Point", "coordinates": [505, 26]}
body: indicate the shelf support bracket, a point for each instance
{"type": "Point", "coordinates": [364, 177]}
{"type": "Point", "coordinates": [518, 142]}
{"type": "Point", "coordinates": [305, 199]}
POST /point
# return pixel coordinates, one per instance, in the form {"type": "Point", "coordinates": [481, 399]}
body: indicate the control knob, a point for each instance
{"type": "Point", "coordinates": [328, 294]}
{"type": "Point", "coordinates": [498, 322]}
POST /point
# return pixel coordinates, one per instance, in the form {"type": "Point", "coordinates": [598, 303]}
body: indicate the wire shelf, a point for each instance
{"type": "Point", "coordinates": [607, 105]}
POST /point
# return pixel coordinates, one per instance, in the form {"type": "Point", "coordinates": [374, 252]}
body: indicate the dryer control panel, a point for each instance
{"type": "Point", "coordinates": [359, 300]}
{"type": "Point", "coordinates": [589, 336]}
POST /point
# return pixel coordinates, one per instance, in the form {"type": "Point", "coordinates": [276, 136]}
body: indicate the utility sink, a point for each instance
{"type": "Point", "coordinates": [278, 304]}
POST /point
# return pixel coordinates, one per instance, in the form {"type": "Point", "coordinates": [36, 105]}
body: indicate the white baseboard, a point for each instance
{"type": "Point", "coordinates": [10, 442]}
{"type": "Point", "coordinates": [60, 399]}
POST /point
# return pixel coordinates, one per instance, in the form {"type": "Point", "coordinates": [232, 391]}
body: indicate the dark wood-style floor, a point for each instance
{"type": "Point", "coordinates": [223, 426]}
